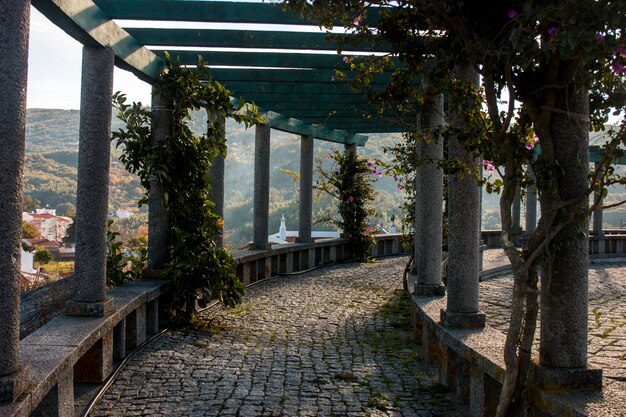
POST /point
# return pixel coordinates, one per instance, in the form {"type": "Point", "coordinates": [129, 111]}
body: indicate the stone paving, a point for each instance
{"type": "Point", "coordinates": [607, 313]}
{"type": "Point", "coordinates": [331, 342]}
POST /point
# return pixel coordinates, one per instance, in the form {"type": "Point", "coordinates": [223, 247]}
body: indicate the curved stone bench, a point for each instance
{"type": "Point", "coordinates": [255, 265]}
{"type": "Point", "coordinates": [72, 349]}
{"type": "Point", "coordinates": [470, 362]}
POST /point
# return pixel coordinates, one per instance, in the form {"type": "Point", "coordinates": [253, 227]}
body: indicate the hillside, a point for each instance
{"type": "Point", "coordinates": [52, 158]}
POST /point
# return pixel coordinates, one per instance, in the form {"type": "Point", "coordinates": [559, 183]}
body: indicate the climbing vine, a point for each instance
{"type": "Point", "coordinates": [350, 181]}
{"type": "Point", "coordinates": [198, 268]}
{"type": "Point", "coordinates": [550, 71]}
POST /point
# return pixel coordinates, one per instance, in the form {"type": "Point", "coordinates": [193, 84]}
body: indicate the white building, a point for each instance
{"type": "Point", "coordinates": [50, 226]}
{"type": "Point", "coordinates": [28, 260]}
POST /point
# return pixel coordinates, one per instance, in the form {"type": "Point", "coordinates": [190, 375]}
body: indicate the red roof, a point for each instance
{"type": "Point", "coordinates": [42, 216]}
{"type": "Point", "coordinates": [42, 242]}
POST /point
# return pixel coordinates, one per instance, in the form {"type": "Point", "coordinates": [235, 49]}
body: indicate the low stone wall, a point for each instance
{"type": "Point", "coordinates": [39, 306]}
{"type": "Point", "coordinates": [611, 245]}
{"type": "Point", "coordinates": [470, 362]}
{"type": "Point", "coordinates": [71, 349]}
{"type": "Point", "coordinates": [256, 265]}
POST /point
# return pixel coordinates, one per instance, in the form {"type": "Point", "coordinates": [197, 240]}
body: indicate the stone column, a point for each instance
{"type": "Point", "coordinates": [516, 211]}
{"type": "Point", "coordinates": [92, 191]}
{"type": "Point", "coordinates": [463, 231]}
{"type": "Point", "coordinates": [350, 149]}
{"type": "Point", "coordinates": [217, 184]}
{"type": "Point", "coordinates": [531, 206]}
{"type": "Point", "coordinates": [261, 187]}
{"type": "Point", "coordinates": [158, 218]}
{"type": "Point", "coordinates": [306, 189]}
{"type": "Point", "coordinates": [417, 250]}
{"type": "Point", "coordinates": [597, 213]}
{"type": "Point", "coordinates": [564, 293]}
{"type": "Point", "coordinates": [429, 201]}
{"type": "Point", "coordinates": [13, 69]}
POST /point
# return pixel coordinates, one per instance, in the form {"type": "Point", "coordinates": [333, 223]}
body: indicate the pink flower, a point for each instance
{"type": "Point", "coordinates": [374, 171]}
{"type": "Point", "coordinates": [618, 69]}
{"type": "Point", "coordinates": [329, 156]}
{"type": "Point", "coordinates": [350, 199]}
{"type": "Point", "coordinates": [488, 165]}
{"type": "Point", "coordinates": [552, 31]}
{"type": "Point", "coordinates": [380, 174]}
{"type": "Point", "coordinates": [531, 144]}
{"type": "Point", "coordinates": [399, 187]}
{"type": "Point", "coordinates": [512, 14]}
{"type": "Point", "coordinates": [346, 59]}
{"type": "Point", "coordinates": [620, 50]}
{"type": "Point", "coordinates": [333, 78]}
{"type": "Point", "coordinates": [355, 22]}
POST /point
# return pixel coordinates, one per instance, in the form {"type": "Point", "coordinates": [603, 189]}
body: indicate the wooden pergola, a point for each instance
{"type": "Point", "coordinates": [289, 74]}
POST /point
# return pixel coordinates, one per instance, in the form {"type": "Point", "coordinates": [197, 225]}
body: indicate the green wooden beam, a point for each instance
{"type": "Point", "coordinates": [262, 59]}
{"type": "Point", "coordinates": [230, 38]}
{"type": "Point", "coordinates": [283, 123]}
{"type": "Point", "coordinates": [289, 99]}
{"type": "Point", "coordinates": [209, 11]}
{"type": "Point", "coordinates": [242, 87]}
{"type": "Point", "coordinates": [595, 155]}
{"type": "Point", "coordinates": [368, 128]}
{"type": "Point", "coordinates": [88, 24]}
{"type": "Point", "coordinates": [301, 76]}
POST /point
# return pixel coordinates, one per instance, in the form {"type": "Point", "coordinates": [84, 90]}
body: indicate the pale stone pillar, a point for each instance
{"type": "Point", "coordinates": [261, 205]}
{"type": "Point", "coordinates": [516, 211]}
{"type": "Point", "coordinates": [217, 184]}
{"type": "Point", "coordinates": [531, 206]}
{"type": "Point", "coordinates": [13, 69]}
{"type": "Point", "coordinates": [306, 189]}
{"type": "Point", "coordinates": [564, 294]}
{"type": "Point", "coordinates": [463, 231]}
{"type": "Point", "coordinates": [597, 213]}
{"type": "Point", "coordinates": [92, 192]}
{"type": "Point", "coordinates": [158, 217]}
{"type": "Point", "coordinates": [429, 202]}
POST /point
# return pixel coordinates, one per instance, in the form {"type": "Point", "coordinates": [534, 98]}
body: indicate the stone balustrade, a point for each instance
{"type": "Point", "coordinates": [71, 349]}
{"type": "Point", "coordinates": [256, 265]}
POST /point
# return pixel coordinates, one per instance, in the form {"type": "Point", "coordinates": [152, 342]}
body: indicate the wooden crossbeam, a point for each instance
{"type": "Point", "coordinates": [211, 11]}
{"type": "Point", "coordinates": [232, 38]}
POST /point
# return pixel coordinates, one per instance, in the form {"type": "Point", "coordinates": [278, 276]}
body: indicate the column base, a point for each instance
{"type": "Point", "coordinates": [462, 320]}
{"type": "Point", "coordinates": [13, 385]}
{"type": "Point", "coordinates": [92, 309]}
{"type": "Point", "coordinates": [429, 289]}
{"type": "Point", "coordinates": [260, 246]}
{"type": "Point", "coordinates": [153, 273]}
{"type": "Point", "coordinates": [305, 240]}
{"type": "Point", "coordinates": [552, 378]}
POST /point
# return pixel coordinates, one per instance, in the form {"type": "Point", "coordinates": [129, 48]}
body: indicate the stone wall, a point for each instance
{"type": "Point", "coordinates": [39, 306]}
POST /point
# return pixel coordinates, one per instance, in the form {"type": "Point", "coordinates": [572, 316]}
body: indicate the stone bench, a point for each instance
{"type": "Point", "coordinates": [470, 362]}
{"type": "Point", "coordinates": [72, 349]}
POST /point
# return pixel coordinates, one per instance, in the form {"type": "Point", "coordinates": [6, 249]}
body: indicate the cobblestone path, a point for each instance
{"type": "Point", "coordinates": [331, 342]}
{"type": "Point", "coordinates": [607, 315]}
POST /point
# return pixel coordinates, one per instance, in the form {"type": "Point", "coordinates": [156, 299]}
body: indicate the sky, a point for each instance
{"type": "Point", "coordinates": [54, 67]}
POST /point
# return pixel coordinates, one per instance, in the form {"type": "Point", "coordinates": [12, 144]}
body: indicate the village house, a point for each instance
{"type": "Point", "coordinates": [50, 226]}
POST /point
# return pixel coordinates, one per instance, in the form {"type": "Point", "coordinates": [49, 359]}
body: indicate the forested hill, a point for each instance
{"type": "Point", "coordinates": [52, 157]}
